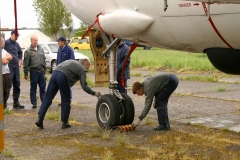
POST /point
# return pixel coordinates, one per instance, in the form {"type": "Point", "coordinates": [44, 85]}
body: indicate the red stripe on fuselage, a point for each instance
{"type": "Point", "coordinates": [214, 27]}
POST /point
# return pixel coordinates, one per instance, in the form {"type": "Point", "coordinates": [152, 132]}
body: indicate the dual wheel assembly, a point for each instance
{"type": "Point", "coordinates": [112, 112]}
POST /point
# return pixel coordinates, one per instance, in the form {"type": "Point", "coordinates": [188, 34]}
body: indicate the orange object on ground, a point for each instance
{"type": "Point", "coordinates": [125, 128]}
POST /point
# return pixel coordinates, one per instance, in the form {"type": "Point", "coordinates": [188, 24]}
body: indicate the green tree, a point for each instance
{"type": "Point", "coordinates": [52, 16]}
{"type": "Point", "coordinates": [80, 31]}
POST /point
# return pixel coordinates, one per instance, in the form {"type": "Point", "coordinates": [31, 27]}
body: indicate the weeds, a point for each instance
{"type": "Point", "coordinates": [149, 121]}
{"type": "Point", "coordinates": [8, 112]}
{"type": "Point", "coordinates": [221, 88]}
{"type": "Point", "coordinates": [108, 155]}
{"type": "Point", "coordinates": [6, 153]}
{"type": "Point", "coordinates": [136, 74]}
{"type": "Point", "coordinates": [106, 134]}
{"type": "Point", "coordinates": [55, 115]}
{"type": "Point", "coordinates": [122, 139]}
{"type": "Point", "coordinates": [95, 133]}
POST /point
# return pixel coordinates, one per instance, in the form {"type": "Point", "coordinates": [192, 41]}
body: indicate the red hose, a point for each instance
{"type": "Point", "coordinates": [15, 13]}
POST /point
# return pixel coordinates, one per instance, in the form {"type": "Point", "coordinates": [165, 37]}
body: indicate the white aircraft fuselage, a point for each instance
{"type": "Point", "coordinates": [193, 26]}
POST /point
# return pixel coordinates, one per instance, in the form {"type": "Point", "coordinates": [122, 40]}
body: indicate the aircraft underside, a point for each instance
{"type": "Point", "coordinates": [210, 27]}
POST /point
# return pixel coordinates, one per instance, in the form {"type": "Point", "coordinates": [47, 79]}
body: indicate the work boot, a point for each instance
{"type": "Point", "coordinates": [65, 125]}
{"type": "Point", "coordinates": [34, 106]}
{"type": "Point", "coordinates": [17, 105]}
{"type": "Point", "coordinates": [39, 123]}
{"type": "Point", "coordinates": [162, 128]}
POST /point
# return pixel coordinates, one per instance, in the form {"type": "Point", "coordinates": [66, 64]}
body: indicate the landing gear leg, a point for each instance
{"type": "Point", "coordinates": [115, 108]}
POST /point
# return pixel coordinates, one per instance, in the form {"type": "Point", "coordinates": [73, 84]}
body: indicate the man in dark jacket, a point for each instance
{"type": "Point", "coordinates": [63, 77]}
{"type": "Point", "coordinates": [65, 52]}
{"type": "Point", "coordinates": [160, 86]}
{"type": "Point", "coordinates": [34, 61]}
{"type": "Point", "coordinates": [12, 47]}
{"type": "Point", "coordinates": [122, 53]}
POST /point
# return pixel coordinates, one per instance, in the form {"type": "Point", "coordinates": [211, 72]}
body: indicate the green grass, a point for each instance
{"type": "Point", "coordinates": [166, 59]}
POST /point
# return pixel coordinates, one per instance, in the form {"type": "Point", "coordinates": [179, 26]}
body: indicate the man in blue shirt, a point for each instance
{"type": "Point", "coordinates": [65, 52]}
{"type": "Point", "coordinates": [12, 47]}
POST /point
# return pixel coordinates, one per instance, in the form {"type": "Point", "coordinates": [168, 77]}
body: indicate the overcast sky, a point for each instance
{"type": "Point", "coordinates": [25, 14]}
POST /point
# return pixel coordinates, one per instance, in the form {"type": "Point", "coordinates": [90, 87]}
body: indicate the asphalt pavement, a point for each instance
{"type": "Point", "coordinates": [214, 105]}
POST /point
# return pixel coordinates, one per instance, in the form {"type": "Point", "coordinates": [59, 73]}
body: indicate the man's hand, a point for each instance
{"type": "Point", "coordinates": [136, 122]}
{"type": "Point", "coordinates": [26, 77]}
{"type": "Point", "coordinates": [98, 94]}
{"type": "Point", "coordinates": [20, 63]}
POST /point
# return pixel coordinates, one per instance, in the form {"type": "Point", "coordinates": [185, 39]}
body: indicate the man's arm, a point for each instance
{"type": "Point", "coordinates": [26, 63]}
{"type": "Point", "coordinates": [19, 55]}
{"type": "Point", "coordinates": [84, 85]}
{"type": "Point", "coordinates": [5, 61]}
{"type": "Point", "coordinates": [71, 53]}
{"type": "Point", "coordinates": [147, 106]}
{"type": "Point", "coordinates": [9, 57]}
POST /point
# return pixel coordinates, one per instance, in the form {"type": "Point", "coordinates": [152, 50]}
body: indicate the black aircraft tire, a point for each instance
{"type": "Point", "coordinates": [107, 111]}
{"type": "Point", "coordinates": [128, 111]}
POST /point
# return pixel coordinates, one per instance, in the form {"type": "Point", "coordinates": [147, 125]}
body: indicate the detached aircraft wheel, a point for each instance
{"type": "Point", "coordinates": [127, 110]}
{"type": "Point", "coordinates": [108, 111]}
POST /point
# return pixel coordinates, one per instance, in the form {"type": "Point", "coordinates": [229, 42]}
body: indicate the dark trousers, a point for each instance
{"type": "Point", "coordinates": [162, 100]}
{"type": "Point", "coordinates": [120, 88]}
{"type": "Point", "coordinates": [57, 82]}
{"type": "Point", "coordinates": [5, 88]}
{"type": "Point", "coordinates": [14, 80]}
{"type": "Point", "coordinates": [37, 78]}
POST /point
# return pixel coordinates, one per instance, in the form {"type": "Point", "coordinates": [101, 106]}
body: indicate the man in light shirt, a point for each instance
{"type": "Point", "coordinates": [6, 57]}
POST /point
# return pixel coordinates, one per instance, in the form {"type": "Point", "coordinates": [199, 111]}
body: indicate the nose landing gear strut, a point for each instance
{"type": "Point", "coordinates": [115, 108]}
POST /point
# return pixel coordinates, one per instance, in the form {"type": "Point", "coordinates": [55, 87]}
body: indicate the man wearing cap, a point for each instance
{"type": "Point", "coordinates": [12, 47]}
{"type": "Point", "coordinates": [65, 52]}
{"type": "Point", "coordinates": [34, 61]}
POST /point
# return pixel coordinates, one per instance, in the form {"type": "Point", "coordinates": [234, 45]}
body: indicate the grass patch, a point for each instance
{"type": "Point", "coordinates": [136, 74]}
{"type": "Point", "coordinates": [106, 134]}
{"type": "Point", "coordinates": [122, 139]}
{"type": "Point", "coordinates": [8, 112]}
{"type": "Point", "coordinates": [165, 59]}
{"type": "Point", "coordinates": [149, 121]}
{"type": "Point", "coordinates": [6, 153]}
{"type": "Point", "coordinates": [108, 155]}
{"type": "Point", "coordinates": [54, 115]}
{"type": "Point", "coordinates": [200, 78]}
{"type": "Point", "coordinates": [226, 129]}
{"type": "Point", "coordinates": [221, 88]}
{"type": "Point", "coordinates": [96, 133]}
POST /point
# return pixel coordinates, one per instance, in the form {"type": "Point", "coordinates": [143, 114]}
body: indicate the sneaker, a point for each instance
{"type": "Point", "coordinates": [34, 106]}
{"type": "Point", "coordinates": [39, 123]}
{"type": "Point", "coordinates": [66, 125]}
{"type": "Point", "coordinates": [162, 128]}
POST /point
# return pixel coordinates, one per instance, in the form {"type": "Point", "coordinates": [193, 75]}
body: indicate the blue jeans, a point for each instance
{"type": "Point", "coordinates": [58, 81]}
{"type": "Point", "coordinates": [37, 78]}
{"type": "Point", "coordinates": [162, 100]}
